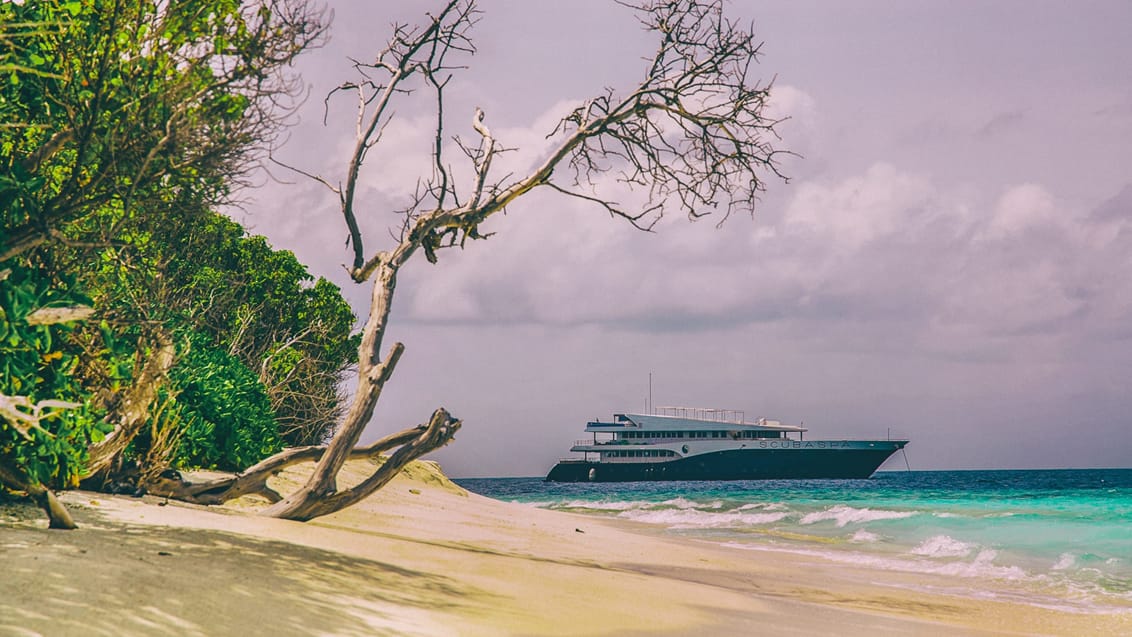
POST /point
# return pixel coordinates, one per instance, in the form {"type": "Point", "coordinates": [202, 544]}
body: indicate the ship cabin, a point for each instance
{"type": "Point", "coordinates": [674, 424]}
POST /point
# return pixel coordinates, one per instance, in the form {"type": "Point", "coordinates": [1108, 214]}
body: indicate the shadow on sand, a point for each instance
{"type": "Point", "coordinates": [109, 578]}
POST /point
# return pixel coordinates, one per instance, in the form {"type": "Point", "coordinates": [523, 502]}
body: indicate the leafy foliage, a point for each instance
{"type": "Point", "coordinates": [108, 104]}
{"type": "Point", "coordinates": [262, 306]}
{"type": "Point", "coordinates": [122, 123]}
{"type": "Point", "coordinates": [230, 422]}
{"type": "Point", "coordinates": [258, 324]}
{"type": "Point", "coordinates": [200, 274]}
{"type": "Point", "coordinates": [37, 362]}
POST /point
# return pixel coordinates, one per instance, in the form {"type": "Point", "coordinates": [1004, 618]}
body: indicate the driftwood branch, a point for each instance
{"type": "Point", "coordinates": [253, 481]}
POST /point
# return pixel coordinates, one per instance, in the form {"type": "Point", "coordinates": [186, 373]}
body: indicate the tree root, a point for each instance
{"type": "Point", "coordinates": [58, 517]}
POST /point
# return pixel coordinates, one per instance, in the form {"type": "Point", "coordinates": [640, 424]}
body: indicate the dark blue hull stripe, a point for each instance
{"type": "Point", "coordinates": [739, 464]}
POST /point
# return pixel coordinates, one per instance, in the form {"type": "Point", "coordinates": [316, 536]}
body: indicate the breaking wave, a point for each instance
{"type": "Point", "coordinates": [843, 515]}
{"type": "Point", "coordinates": [864, 537]}
{"type": "Point", "coordinates": [943, 546]}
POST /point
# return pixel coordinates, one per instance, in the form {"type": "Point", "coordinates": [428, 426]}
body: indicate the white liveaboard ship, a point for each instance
{"type": "Point", "coordinates": [689, 443]}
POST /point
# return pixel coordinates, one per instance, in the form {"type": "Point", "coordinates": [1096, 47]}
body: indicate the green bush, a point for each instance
{"type": "Point", "coordinates": [230, 425]}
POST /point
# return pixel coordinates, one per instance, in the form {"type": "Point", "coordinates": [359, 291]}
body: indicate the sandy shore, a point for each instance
{"type": "Point", "coordinates": [424, 558]}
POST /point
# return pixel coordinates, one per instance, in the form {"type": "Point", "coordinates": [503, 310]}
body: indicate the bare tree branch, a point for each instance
{"type": "Point", "coordinates": [693, 136]}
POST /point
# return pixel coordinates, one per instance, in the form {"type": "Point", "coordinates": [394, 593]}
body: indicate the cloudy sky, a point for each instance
{"type": "Point", "coordinates": [950, 261]}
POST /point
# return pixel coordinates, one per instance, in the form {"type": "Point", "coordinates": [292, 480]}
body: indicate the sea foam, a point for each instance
{"type": "Point", "coordinates": [696, 519]}
{"type": "Point", "coordinates": [1064, 561]}
{"type": "Point", "coordinates": [863, 537]}
{"type": "Point", "coordinates": [843, 515]}
{"type": "Point", "coordinates": [982, 566]}
{"type": "Point", "coordinates": [943, 546]}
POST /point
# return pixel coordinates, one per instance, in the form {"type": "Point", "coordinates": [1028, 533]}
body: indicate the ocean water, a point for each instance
{"type": "Point", "coordinates": [1052, 538]}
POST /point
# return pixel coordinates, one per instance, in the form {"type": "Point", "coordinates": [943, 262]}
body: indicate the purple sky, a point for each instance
{"type": "Point", "coordinates": [951, 260]}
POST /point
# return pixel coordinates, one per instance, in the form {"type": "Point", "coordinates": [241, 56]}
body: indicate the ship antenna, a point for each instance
{"type": "Point", "coordinates": [650, 392]}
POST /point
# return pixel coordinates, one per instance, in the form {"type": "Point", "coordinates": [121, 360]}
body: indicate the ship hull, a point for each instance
{"type": "Point", "coordinates": [736, 464]}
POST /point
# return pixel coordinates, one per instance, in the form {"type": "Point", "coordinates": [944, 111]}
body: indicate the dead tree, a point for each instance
{"type": "Point", "coordinates": [693, 135]}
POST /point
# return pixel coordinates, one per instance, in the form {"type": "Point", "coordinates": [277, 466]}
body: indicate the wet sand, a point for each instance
{"type": "Point", "coordinates": [422, 557]}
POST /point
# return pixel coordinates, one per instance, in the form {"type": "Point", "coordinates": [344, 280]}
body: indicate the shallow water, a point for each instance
{"type": "Point", "coordinates": [1053, 538]}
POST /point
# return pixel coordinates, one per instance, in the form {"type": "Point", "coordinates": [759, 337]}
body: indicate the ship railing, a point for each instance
{"type": "Point", "coordinates": [637, 460]}
{"type": "Point", "coordinates": [620, 443]}
{"type": "Point", "coordinates": [591, 442]}
{"type": "Point", "coordinates": [702, 413]}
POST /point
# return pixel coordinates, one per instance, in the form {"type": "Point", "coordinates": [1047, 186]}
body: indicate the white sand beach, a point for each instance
{"type": "Point", "coordinates": [422, 557]}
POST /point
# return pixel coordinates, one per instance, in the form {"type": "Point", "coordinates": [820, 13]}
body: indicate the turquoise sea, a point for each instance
{"type": "Point", "coordinates": [1052, 538]}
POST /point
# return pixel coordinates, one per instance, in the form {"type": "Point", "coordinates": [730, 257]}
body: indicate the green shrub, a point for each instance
{"type": "Point", "coordinates": [230, 422]}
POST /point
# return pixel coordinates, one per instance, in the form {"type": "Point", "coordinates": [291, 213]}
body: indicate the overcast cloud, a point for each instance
{"type": "Point", "coordinates": [950, 260]}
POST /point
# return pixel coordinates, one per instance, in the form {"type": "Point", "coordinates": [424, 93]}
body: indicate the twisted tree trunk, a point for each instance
{"type": "Point", "coordinates": [133, 411]}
